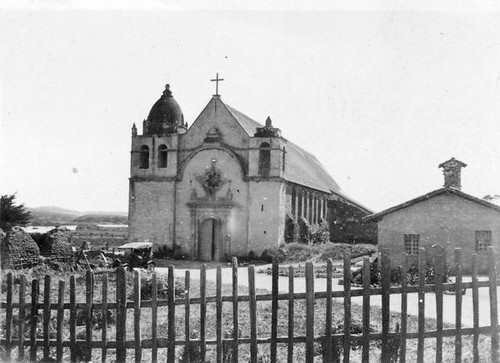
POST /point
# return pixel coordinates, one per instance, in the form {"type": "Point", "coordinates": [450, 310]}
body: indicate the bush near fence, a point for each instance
{"type": "Point", "coordinates": [231, 329]}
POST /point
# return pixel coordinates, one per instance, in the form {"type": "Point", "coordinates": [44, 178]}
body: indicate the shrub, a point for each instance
{"type": "Point", "coordinates": [270, 253]}
{"type": "Point", "coordinates": [162, 285]}
{"type": "Point", "coordinates": [397, 275]}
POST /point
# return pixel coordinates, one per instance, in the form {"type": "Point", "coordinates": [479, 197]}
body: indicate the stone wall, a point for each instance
{"type": "Point", "coordinates": [18, 249]}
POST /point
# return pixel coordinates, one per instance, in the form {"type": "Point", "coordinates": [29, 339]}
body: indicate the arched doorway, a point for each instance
{"type": "Point", "coordinates": [209, 245]}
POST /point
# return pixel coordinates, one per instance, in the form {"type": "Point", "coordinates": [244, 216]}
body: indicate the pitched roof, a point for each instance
{"type": "Point", "coordinates": [303, 168]}
{"type": "Point", "coordinates": [379, 215]}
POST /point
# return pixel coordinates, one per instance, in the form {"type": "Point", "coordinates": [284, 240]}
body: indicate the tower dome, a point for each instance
{"type": "Point", "coordinates": [165, 116]}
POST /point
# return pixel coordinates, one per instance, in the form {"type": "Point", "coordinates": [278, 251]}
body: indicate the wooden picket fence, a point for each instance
{"type": "Point", "coordinates": [54, 341]}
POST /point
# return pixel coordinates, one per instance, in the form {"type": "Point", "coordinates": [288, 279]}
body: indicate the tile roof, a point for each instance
{"type": "Point", "coordinates": [303, 168]}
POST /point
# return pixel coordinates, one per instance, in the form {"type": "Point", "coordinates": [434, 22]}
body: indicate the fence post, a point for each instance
{"type": "Point", "coordinates": [235, 310]}
{"type": "Point", "coordinates": [89, 311]}
{"type": "Point", "coordinates": [386, 314]}
{"type": "Point", "coordinates": [121, 314]}
{"type": "Point", "coordinates": [8, 317]}
{"type": "Point", "coordinates": [327, 352]}
{"type": "Point", "coordinates": [366, 309]}
{"type": "Point", "coordinates": [171, 315]}
{"type": "Point", "coordinates": [291, 305]}
{"type": "Point", "coordinates": [493, 305]}
{"type": "Point", "coordinates": [104, 300]}
{"type": "Point", "coordinates": [439, 261]}
{"type": "Point", "coordinates": [274, 310]}
{"type": "Point", "coordinates": [309, 312]}
{"type": "Point", "coordinates": [154, 319]}
{"type": "Point", "coordinates": [253, 314]}
{"type": "Point", "coordinates": [22, 316]}
{"type": "Point", "coordinates": [347, 307]}
{"type": "Point", "coordinates": [458, 305]}
{"type": "Point", "coordinates": [60, 319]}
{"type": "Point", "coordinates": [137, 316]}
{"type": "Point", "coordinates": [187, 313]}
{"type": "Point", "coordinates": [203, 311]}
{"type": "Point", "coordinates": [35, 291]}
{"type": "Point", "coordinates": [404, 308]}
{"type": "Point", "coordinates": [218, 313]}
{"type": "Point", "coordinates": [421, 304]}
{"type": "Point", "coordinates": [46, 318]}
{"type": "Point", "coordinates": [475, 309]}
{"type": "Point", "coordinates": [72, 318]}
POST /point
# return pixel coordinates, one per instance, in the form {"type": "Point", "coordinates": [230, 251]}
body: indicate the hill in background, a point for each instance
{"type": "Point", "coordinates": [50, 216]}
{"type": "Point", "coordinates": [102, 219]}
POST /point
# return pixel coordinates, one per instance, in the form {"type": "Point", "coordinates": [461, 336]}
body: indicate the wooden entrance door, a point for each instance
{"type": "Point", "coordinates": [209, 240]}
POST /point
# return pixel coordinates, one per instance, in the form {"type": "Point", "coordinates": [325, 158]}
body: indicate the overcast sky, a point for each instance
{"type": "Point", "coordinates": [381, 94]}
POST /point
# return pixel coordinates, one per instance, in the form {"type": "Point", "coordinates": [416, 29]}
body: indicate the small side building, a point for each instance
{"type": "Point", "coordinates": [446, 217]}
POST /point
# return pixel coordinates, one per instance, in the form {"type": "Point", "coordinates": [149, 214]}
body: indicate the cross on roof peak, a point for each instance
{"type": "Point", "coordinates": [217, 80]}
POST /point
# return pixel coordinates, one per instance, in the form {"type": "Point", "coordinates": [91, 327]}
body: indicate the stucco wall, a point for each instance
{"type": "Point", "coordinates": [151, 212]}
{"type": "Point", "coordinates": [233, 177]}
{"type": "Point", "coordinates": [448, 220]}
{"type": "Point", "coordinates": [216, 115]}
{"type": "Point", "coordinates": [266, 209]}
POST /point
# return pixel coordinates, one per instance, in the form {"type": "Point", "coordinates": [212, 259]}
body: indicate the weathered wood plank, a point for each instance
{"type": "Point", "coordinates": [274, 309]}
{"type": "Point", "coordinates": [218, 313]}
{"type": "Point", "coordinates": [386, 314]}
{"type": "Point", "coordinates": [475, 310]}
{"type": "Point", "coordinates": [253, 314]}
{"type": "Point", "coordinates": [309, 312]}
{"type": "Point", "coordinates": [154, 319]}
{"type": "Point", "coordinates": [347, 308]}
{"type": "Point", "coordinates": [137, 316]}
{"type": "Point", "coordinates": [421, 305]}
{"type": "Point", "coordinates": [458, 304]}
{"type": "Point", "coordinates": [8, 316]}
{"type": "Point", "coordinates": [171, 315]}
{"type": "Point", "coordinates": [366, 309]}
{"type": "Point", "coordinates": [121, 315]}
{"type": "Point", "coordinates": [72, 318]}
{"type": "Point", "coordinates": [291, 312]}
{"type": "Point", "coordinates": [35, 291]}
{"type": "Point", "coordinates": [404, 308]}
{"type": "Point", "coordinates": [89, 295]}
{"type": "Point", "coordinates": [328, 318]}
{"type": "Point", "coordinates": [104, 309]}
{"type": "Point", "coordinates": [236, 327]}
{"type": "Point", "coordinates": [187, 314]}
{"type": "Point", "coordinates": [203, 311]}
{"type": "Point", "coordinates": [46, 317]}
{"type": "Point", "coordinates": [60, 321]}
{"type": "Point", "coordinates": [493, 305]}
{"type": "Point", "coordinates": [439, 261]}
{"type": "Point", "coordinates": [22, 316]}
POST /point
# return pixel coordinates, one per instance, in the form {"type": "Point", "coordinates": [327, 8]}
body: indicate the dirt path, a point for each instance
{"type": "Point", "coordinates": [263, 281]}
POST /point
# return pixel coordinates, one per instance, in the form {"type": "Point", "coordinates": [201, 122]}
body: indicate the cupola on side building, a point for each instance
{"type": "Point", "coordinates": [225, 186]}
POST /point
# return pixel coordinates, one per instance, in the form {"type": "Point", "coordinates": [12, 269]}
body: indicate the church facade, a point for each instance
{"type": "Point", "coordinates": [225, 186]}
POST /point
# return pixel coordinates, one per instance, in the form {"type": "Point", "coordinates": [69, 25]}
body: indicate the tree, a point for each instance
{"type": "Point", "coordinates": [12, 214]}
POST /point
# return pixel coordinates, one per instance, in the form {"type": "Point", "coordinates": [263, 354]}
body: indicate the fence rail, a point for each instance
{"type": "Point", "coordinates": [74, 337]}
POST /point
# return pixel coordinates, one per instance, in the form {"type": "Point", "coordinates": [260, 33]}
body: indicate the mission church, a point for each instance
{"type": "Point", "coordinates": [225, 186]}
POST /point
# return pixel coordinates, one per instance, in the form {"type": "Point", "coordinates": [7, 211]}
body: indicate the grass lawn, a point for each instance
{"type": "Point", "coordinates": [263, 324]}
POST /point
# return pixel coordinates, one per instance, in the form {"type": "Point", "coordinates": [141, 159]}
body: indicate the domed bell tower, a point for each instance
{"type": "Point", "coordinates": [154, 153]}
